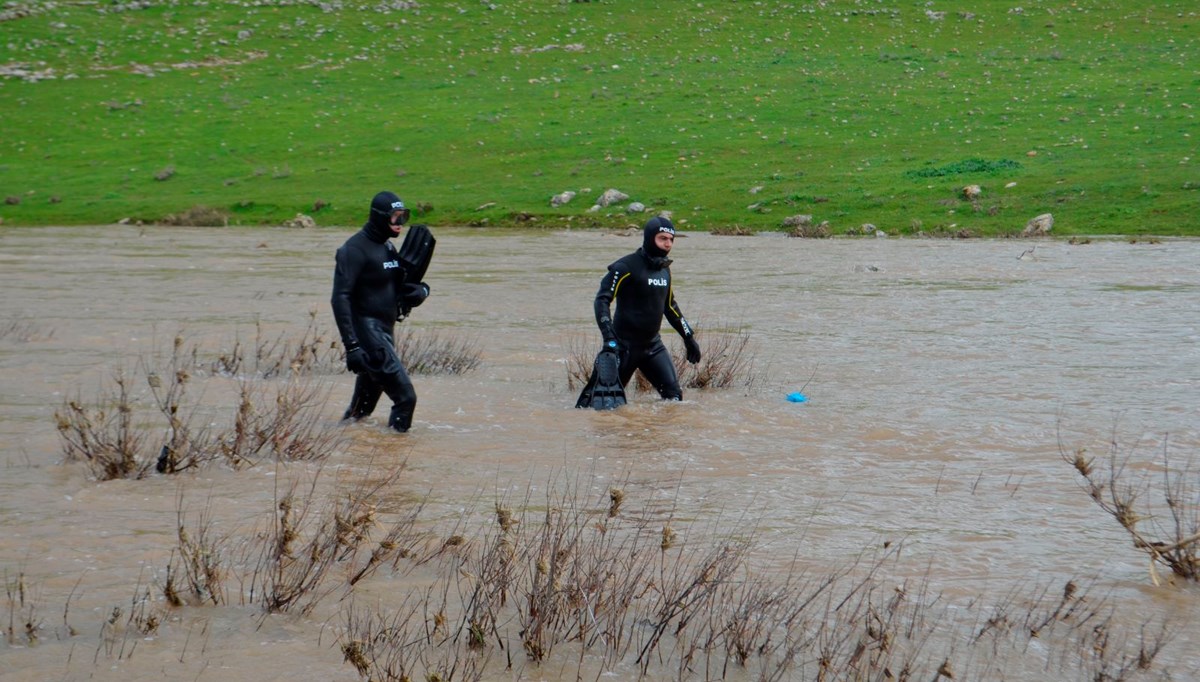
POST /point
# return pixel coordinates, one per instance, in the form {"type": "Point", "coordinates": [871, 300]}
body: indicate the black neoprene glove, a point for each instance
{"type": "Point", "coordinates": [693, 348]}
{"type": "Point", "coordinates": [356, 359]}
{"type": "Point", "coordinates": [607, 331]}
{"type": "Point", "coordinates": [415, 294]}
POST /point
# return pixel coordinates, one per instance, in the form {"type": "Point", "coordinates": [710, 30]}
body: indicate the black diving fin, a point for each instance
{"type": "Point", "coordinates": [603, 390]}
{"type": "Point", "coordinates": [415, 253]}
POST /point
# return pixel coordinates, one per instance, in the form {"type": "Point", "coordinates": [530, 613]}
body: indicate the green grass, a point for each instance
{"type": "Point", "coordinates": [726, 113]}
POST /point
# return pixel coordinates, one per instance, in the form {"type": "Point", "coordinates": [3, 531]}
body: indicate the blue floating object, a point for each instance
{"type": "Point", "coordinates": [797, 397]}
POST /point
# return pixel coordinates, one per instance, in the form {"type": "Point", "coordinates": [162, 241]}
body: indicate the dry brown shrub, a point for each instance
{"type": "Point", "coordinates": [431, 352]}
{"type": "Point", "coordinates": [105, 436]}
{"type": "Point", "coordinates": [314, 351]}
{"type": "Point", "coordinates": [291, 561]}
{"type": "Point", "coordinates": [198, 216]}
{"type": "Point", "coordinates": [25, 331]}
{"type": "Point", "coordinates": [118, 437]}
{"type": "Point", "coordinates": [24, 624]}
{"type": "Point", "coordinates": [1156, 506]}
{"type": "Point", "coordinates": [732, 231]}
{"type": "Point", "coordinates": [809, 231]}
{"type": "Point", "coordinates": [564, 573]}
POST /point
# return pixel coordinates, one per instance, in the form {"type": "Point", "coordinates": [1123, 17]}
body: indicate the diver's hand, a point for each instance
{"type": "Point", "coordinates": [356, 359]}
{"type": "Point", "coordinates": [693, 348]}
{"type": "Point", "coordinates": [415, 294]}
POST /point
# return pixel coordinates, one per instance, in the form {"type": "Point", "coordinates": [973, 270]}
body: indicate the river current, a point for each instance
{"type": "Point", "coordinates": [944, 381]}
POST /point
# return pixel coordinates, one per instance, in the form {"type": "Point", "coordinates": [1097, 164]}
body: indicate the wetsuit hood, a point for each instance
{"type": "Point", "coordinates": [379, 227]}
{"type": "Point", "coordinates": [653, 227]}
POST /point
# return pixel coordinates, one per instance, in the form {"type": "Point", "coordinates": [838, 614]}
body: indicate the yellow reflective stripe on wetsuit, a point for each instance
{"type": "Point", "coordinates": [617, 285]}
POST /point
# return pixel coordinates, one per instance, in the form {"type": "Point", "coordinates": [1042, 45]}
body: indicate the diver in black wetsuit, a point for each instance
{"type": "Point", "coordinates": [368, 287]}
{"type": "Point", "coordinates": [640, 283]}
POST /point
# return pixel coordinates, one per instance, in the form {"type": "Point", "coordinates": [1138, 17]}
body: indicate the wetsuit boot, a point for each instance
{"type": "Point", "coordinates": [404, 401]}
{"type": "Point", "coordinates": [365, 398]}
{"type": "Point", "coordinates": [401, 418]}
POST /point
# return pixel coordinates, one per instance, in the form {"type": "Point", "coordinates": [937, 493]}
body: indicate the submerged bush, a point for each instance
{"type": "Point", "coordinates": [1131, 495]}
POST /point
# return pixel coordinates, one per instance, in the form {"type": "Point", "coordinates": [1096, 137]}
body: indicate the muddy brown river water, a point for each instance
{"type": "Point", "coordinates": [943, 380]}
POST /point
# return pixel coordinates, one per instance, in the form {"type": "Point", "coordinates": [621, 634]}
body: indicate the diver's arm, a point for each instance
{"type": "Point", "coordinates": [675, 316]}
{"type": "Point", "coordinates": [345, 274]}
{"type": "Point", "coordinates": [603, 303]}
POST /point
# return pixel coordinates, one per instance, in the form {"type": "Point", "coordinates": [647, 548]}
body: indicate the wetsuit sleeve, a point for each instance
{"type": "Point", "coordinates": [604, 298]}
{"type": "Point", "coordinates": [675, 316]}
{"type": "Point", "coordinates": [345, 274]}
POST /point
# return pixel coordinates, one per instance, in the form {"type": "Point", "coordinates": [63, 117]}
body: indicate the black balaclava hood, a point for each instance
{"type": "Point", "coordinates": [653, 227]}
{"type": "Point", "coordinates": [379, 222]}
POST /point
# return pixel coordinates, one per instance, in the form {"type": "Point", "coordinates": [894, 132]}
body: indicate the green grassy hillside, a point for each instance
{"type": "Point", "coordinates": [725, 112]}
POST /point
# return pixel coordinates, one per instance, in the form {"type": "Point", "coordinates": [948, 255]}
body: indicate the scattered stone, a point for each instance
{"type": "Point", "coordinates": [636, 207]}
{"type": "Point", "coordinates": [12, 200]}
{"type": "Point", "coordinates": [610, 197]}
{"type": "Point", "coordinates": [756, 189]}
{"type": "Point", "coordinates": [165, 173]}
{"type": "Point", "coordinates": [797, 220]}
{"type": "Point", "coordinates": [972, 192]}
{"type": "Point", "coordinates": [301, 221]}
{"type": "Point", "coordinates": [1038, 226]}
{"type": "Point", "coordinates": [198, 216]}
{"type": "Point", "coordinates": [867, 230]}
{"type": "Point", "coordinates": [562, 198]}
{"type": "Point", "coordinates": [484, 207]}
{"type": "Point", "coordinates": [807, 230]}
{"type": "Point", "coordinates": [25, 72]}
{"type": "Point", "coordinates": [732, 231]}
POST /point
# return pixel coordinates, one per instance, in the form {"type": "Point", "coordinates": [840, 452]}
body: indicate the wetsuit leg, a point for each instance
{"type": "Point", "coordinates": [630, 357]}
{"type": "Point", "coordinates": [389, 375]}
{"type": "Point", "coordinates": [659, 370]}
{"type": "Point", "coordinates": [365, 398]}
{"type": "Point", "coordinates": [404, 399]}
